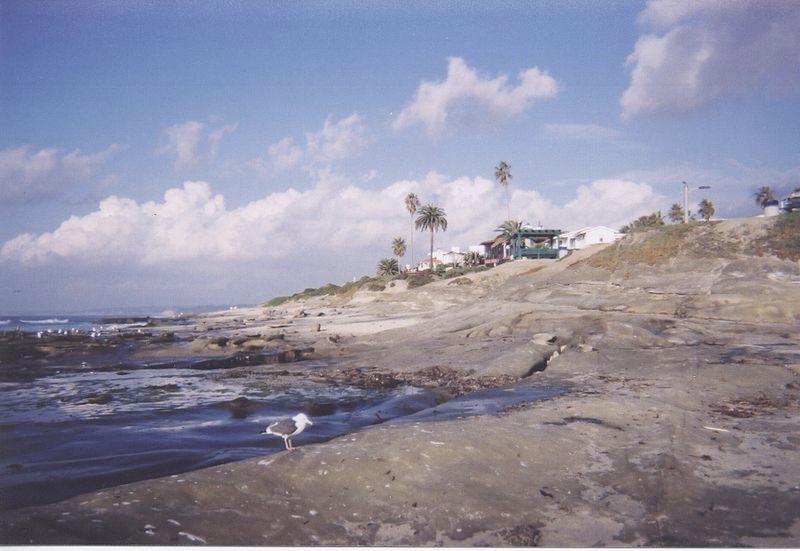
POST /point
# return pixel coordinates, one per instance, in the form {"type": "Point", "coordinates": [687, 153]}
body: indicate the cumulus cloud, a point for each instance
{"type": "Point", "coordinates": [190, 142]}
{"type": "Point", "coordinates": [708, 49]}
{"type": "Point", "coordinates": [335, 142]}
{"type": "Point", "coordinates": [436, 104]}
{"type": "Point", "coordinates": [28, 176]}
{"type": "Point", "coordinates": [193, 224]}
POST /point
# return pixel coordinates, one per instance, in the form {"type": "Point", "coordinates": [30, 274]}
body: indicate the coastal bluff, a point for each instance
{"type": "Point", "coordinates": [674, 361]}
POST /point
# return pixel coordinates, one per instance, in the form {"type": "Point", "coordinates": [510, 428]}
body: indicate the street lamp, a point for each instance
{"type": "Point", "coordinates": [686, 201]}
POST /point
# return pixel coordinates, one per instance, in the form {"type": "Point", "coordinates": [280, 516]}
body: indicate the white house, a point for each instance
{"type": "Point", "coordinates": [584, 237]}
{"type": "Point", "coordinates": [453, 256]}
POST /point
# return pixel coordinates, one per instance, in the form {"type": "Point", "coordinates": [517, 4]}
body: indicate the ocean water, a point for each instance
{"type": "Point", "coordinates": [72, 431]}
{"type": "Point", "coordinates": [88, 322]}
{"type": "Point", "coordinates": [59, 323]}
{"type": "Point", "coordinates": [71, 426]}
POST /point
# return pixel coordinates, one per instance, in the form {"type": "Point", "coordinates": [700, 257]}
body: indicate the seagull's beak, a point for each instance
{"type": "Point", "coordinates": [310, 422]}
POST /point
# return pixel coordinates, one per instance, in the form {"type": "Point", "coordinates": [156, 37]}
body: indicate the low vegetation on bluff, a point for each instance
{"type": "Point", "coordinates": [653, 246]}
{"type": "Point", "coordinates": [782, 238]}
{"type": "Point", "coordinates": [378, 283]}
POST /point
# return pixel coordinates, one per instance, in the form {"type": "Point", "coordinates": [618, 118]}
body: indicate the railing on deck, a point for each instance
{"type": "Point", "coordinates": [534, 252]}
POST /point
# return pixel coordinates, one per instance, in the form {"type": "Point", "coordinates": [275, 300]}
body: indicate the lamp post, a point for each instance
{"type": "Point", "coordinates": [686, 201]}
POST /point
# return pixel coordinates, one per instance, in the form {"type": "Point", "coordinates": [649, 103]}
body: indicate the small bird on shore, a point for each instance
{"type": "Point", "coordinates": [288, 428]}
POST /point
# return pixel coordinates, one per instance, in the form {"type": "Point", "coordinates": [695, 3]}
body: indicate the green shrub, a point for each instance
{"type": "Point", "coordinates": [463, 270]}
{"type": "Point", "coordinates": [277, 301]}
{"type": "Point", "coordinates": [461, 281]}
{"type": "Point", "coordinates": [419, 279]}
{"type": "Point", "coordinates": [376, 286]}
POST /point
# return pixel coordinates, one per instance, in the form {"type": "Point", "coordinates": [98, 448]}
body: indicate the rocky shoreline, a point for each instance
{"type": "Point", "coordinates": [677, 426]}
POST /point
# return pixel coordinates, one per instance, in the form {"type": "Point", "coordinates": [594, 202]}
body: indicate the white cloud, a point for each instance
{"type": "Point", "coordinates": [335, 218]}
{"type": "Point", "coordinates": [285, 154]}
{"type": "Point", "coordinates": [335, 142]}
{"type": "Point", "coordinates": [581, 132]}
{"type": "Point", "coordinates": [28, 176]}
{"type": "Point", "coordinates": [369, 175]}
{"type": "Point", "coordinates": [183, 142]}
{"type": "Point", "coordinates": [189, 143]}
{"type": "Point", "coordinates": [215, 137]}
{"type": "Point", "coordinates": [711, 49]}
{"type": "Point", "coordinates": [437, 104]}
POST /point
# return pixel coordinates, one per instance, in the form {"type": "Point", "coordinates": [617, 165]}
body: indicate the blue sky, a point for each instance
{"type": "Point", "coordinates": [300, 127]}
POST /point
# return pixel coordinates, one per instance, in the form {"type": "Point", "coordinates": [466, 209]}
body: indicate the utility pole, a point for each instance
{"type": "Point", "coordinates": [685, 203]}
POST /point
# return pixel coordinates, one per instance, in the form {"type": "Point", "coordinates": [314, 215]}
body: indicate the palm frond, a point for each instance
{"type": "Point", "coordinates": [431, 218]}
{"type": "Point", "coordinates": [388, 266]}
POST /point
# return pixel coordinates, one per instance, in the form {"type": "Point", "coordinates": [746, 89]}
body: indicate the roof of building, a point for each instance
{"type": "Point", "coordinates": [537, 232]}
{"type": "Point", "coordinates": [576, 233]}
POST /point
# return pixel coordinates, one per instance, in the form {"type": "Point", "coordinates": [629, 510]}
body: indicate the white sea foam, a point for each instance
{"type": "Point", "coordinates": [5, 322]}
{"type": "Point", "coordinates": [50, 321]}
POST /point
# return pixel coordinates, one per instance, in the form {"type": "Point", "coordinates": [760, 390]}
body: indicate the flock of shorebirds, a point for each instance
{"type": "Point", "coordinates": [94, 333]}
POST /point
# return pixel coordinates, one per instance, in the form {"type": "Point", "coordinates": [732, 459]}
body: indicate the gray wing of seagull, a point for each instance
{"type": "Point", "coordinates": [283, 427]}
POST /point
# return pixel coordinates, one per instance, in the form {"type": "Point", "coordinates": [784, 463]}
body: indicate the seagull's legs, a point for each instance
{"type": "Point", "coordinates": [287, 443]}
{"type": "Point", "coordinates": [291, 447]}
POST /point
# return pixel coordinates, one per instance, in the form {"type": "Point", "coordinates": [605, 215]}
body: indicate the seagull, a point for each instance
{"type": "Point", "coordinates": [287, 428]}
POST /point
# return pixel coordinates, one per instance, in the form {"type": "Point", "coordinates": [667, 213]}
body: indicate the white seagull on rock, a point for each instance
{"type": "Point", "coordinates": [287, 428]}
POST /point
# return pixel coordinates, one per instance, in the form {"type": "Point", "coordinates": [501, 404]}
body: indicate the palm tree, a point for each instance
{"type": "Point", "coordinates": [644, 222]}
{"type": "Point", "coordinates": [706, 209]}
{"type": "Point", "coordinates": [506, 232]}
{"type": "Point", "coordinates": [388, 266]}
{"type": "Point", "coordinates": [502, 173]}
{"type": "Point", "coordinates": [431, 218]}
{"type": "Point", "coordinates": [676, 213]}
{"type": "Point", "coordinates": [412, 205]}
{"type": "Point", "coordinates": [398, 247]}
{"type": "Point", "coordinates": [764, 195]}
{"type": "Point", "coordinates": [473, 258]}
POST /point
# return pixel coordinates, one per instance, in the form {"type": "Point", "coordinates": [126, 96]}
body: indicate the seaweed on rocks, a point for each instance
{"type": "Point", "coordinates": [457, 383]}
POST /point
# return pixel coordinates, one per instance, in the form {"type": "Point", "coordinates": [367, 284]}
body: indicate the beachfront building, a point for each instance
{"type": "Point", "coordinates": [585, 237]}
{"type": "Point", "coordinates": [453, 257]}
{"type": "Point", "coordinates": [493, 252]}
{"type": "Point", "coordinates": [534, 243]}
{"type": "Point", "coordinates": [528, 242]}
{"type": "Point", "coordinates": [792, 201]}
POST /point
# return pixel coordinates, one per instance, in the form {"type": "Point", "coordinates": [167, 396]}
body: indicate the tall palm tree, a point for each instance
{"type": "Point", "coordinates": [412, 205]}
{"type": "Point", "coordinates": [506, 232]}
{"type": "Point", "coordinates": [399, 247]}
{"type": "Point", "coordinates": [763, 195]}
{"type": "Point", "coordinates": [431, 218]}
{"type": "Point", "coordinates": [706, 209]}
{"type": "Point", "coordinates": [676, 213]}
{"type": "Point", "coordinates": [502, 173]}
{"type": "Point", "coordinates": [388, 266]}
